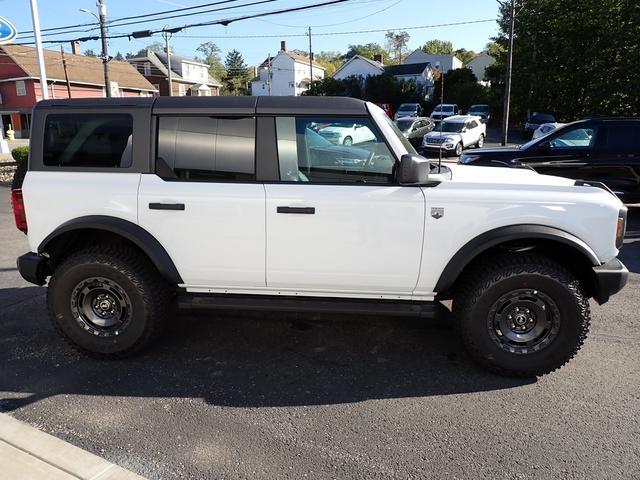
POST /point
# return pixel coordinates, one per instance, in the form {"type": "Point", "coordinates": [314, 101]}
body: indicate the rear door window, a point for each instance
{"type": "Point", "coordinates": [623, 138]}
{"type": "Point", "coordinates": [207, 148]}
{"type": "Point", "coordinates": [575, 138]}
{"type": "Point", "coordinates": [88, 140]}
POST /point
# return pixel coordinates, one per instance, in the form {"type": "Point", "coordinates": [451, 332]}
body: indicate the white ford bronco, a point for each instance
{"type": "Point", "coordinates": [135, 206]}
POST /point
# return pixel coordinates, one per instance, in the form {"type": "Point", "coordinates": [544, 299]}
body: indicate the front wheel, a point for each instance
{"type": "Point", "coordinates": [458, 149]}
{"type": "Point", "coordinates": [108, 301]}
{"type": "Point", "coordinates": [480, 141]}
{"type": "Point", "coordinates": [521, 315]}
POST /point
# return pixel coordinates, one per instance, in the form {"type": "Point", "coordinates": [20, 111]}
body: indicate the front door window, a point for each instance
{"type": "Point", "coordinates": [333, 150]}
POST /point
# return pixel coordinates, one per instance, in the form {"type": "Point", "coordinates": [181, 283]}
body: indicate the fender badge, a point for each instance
{"type": "Point", "coordinates": [437, 212]}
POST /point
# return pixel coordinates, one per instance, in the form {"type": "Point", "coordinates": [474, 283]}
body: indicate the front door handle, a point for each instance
{"type": "Point", "coordinates": [166, 206]}
{"type": "Point", "coordinates": [298, 210]}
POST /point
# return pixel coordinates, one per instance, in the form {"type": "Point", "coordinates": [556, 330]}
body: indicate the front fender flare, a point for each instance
{"type": "Point", "coordinates": [494, 237]}
{"type": "Point", "coordinates": [126, 229]}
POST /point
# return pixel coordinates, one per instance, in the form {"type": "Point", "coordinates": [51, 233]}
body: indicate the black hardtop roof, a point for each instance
{"type": "Point", "coordinates": [222, 105]}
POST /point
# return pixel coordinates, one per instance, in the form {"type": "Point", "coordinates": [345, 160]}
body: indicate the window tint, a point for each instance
{"type": "Point", "coordinates": [350, 151]}
{"type": "Point", "coordinates": [88, 140]}
{"type": "Point", "coordinates": [206, 148]}
{"type": "Point", "coordinates": [623, 138]}
{"type": "Point", "coordinates": [575, 138]}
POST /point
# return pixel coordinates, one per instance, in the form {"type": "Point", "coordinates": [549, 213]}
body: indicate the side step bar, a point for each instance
{"type": "Point", "coordinates": [403, 308]}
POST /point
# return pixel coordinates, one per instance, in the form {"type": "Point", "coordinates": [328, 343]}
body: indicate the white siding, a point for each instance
{"type": "Point", "coordinates": [357, 67]}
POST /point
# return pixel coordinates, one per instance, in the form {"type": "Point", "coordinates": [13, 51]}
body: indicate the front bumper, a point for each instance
{"type": "Point", "coordinates": [33, 268]}
{"type": "Point", "coordinates": [610, 278]}
{"type": "Point", "coordinates": [436, 146]}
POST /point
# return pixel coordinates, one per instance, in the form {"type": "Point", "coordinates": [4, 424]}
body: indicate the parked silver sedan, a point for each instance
{"type": "Point", "coordinates": [415, 128]}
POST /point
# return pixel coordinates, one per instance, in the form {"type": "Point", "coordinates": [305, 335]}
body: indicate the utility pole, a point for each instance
{"type": "Point", "coordinates": [102, 11]}
{"type": "Point", "coordinates": [310, 60]}
{"type": "Point", "coordinates": [66, 74]}
{"type": "Point", "coordinates": [507, 88]}
{"type": "Point", "coordinates": [39, 52]}
{"type": "Point", "coordinates": [269, 73]}
{"type": "Point", "coordinates": [167, 35]}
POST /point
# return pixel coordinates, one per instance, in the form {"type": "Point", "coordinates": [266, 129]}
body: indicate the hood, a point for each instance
{"type": "Point", "coordinates": [436, 134]}
{"type": "Point", "coordinates": [501, 175]}
{"type": "Point", "coordinates": [334, 130]}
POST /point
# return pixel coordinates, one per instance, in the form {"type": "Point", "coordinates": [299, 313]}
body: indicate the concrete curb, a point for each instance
{"type": "Point", "coordinates": [28, 453]}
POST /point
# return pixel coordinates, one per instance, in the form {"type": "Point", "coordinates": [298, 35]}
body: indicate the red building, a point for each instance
{"type": "Point", "coordinates": [20, 82]}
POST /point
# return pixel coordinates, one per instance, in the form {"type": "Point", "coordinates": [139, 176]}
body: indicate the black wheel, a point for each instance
{"type": "Point", "coordinates": [521, 315]}
{"type": "Point", "coordinates": [348, 141]}
{"type": "Point", "coordinates": [459, 149]}
{"type": "Point", "coordinates": [480, 142]}
{"type": "Point", "coordinates": [108, 301]}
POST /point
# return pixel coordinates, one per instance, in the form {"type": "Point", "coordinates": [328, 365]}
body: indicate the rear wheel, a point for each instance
{"type": "Point", "coordinates": [108, 301]}
{"type": "Point", "coordinates": [521, 315]}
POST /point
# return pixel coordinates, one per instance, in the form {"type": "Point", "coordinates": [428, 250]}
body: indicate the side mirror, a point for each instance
{"type": "Point", "coordinates": [544, 146]}
{"type": "Point", "coordinates": [414, 170]}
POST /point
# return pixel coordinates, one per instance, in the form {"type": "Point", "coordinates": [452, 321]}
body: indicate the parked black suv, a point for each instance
{"type": "Point", "coordinates": [606, 150]}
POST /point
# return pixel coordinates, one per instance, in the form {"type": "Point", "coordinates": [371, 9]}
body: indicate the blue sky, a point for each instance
{"type": "Point", "coordinates": [351, 16]}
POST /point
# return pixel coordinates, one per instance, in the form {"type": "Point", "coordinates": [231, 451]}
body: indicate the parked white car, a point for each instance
{"type": "Point", "coordinates": [546, 128]}
{"type": "Point", "coordinates": [444, 110]}
{"type": "Point", "coordinates": [455, 134]}
{"type": "Point", "coordinates": [341, 134]}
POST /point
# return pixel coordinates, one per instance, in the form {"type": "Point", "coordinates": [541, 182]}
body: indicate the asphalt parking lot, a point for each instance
{"type": "Point", "coordinates": [286, 396]}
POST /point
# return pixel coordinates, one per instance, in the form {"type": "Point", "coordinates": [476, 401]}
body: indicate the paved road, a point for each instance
{"type": "Point", "coordinates": [266, 397]}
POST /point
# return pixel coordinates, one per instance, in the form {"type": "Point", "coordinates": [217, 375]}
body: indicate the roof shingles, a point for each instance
{"type": "Point", "coordinates": [81, 68]}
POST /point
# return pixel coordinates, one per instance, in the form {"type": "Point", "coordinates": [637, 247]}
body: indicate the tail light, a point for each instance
{"type": "Point", "coordinates": [17, 202]}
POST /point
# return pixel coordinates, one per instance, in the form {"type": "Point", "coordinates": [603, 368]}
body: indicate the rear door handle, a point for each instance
{"type": "Point", "coordinates": [298, 210]}
{"type": "Point", "coordinates": [166, 206]}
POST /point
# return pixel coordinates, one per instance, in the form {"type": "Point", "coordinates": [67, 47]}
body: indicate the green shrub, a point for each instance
{"type": "Point", "coordinates": [20, 154]}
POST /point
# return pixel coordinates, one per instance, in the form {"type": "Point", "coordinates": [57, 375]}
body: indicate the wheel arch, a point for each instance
{"type": "Point", "coordinates": [558, 244]}
{"type": "Point", "coordinates": [101, 228]}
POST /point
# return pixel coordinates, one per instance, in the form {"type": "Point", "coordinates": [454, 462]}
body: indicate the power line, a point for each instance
{"type": "Point", "coordinates": [114, 20]}
{"type": "Point", "coordinates": [225, 22]}
{"type": "Point", "coordinates": [352, 32]}
{"type": "Point", "coordinates": [111, 24]}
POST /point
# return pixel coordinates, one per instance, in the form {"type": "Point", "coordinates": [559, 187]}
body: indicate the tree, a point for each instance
{"type": "Point", "coordinates": [461, 87]}
{"type": "Point", "coordinates": [211, 57]}
{"type": "Point", "coordinates": [156, 47]}
{"type": "Point", "coordinates": [397, 43]}
{"type": "Point", "coordinates": [90, 53]}
{"type": "Point", "coordinates": [237, 74]}
{"type": "Point", "coordinates": [330, 87]}
{"type": "Point", "coordinates": [464, 55]}
{"type": "Point", "coordinates": [118, 56]}
{"type": "Point", "coordinates": [369, 50]}
{"type": "Point", "coordinates": [438, 47]}
{"type": "Point", "coordinates": [571, 61]}
{"type": "Point", "coordinates": [331, 61]}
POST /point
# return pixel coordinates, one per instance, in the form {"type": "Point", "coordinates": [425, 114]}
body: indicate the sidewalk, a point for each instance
{"type": "Point", "coordinates": [29, 454]}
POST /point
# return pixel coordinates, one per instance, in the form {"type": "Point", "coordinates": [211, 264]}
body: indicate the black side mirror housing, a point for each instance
{"type": "Point", "coordinates": [544, 146]}
{"type": "Point", "coordinates": [414, 170]}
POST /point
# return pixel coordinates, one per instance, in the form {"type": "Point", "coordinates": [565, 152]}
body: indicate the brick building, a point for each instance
{"type": "Point", "coordinates": [20, 82]}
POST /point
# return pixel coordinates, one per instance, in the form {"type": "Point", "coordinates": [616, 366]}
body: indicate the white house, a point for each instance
{"type": "Point", "coordinates": [478, 65]}
{"type": "Point", "coordinates": [359, 66]}
{"type": "Point", "coordinates": [446, 62]}
{"type": "Point", "coordinates": [286, 74]}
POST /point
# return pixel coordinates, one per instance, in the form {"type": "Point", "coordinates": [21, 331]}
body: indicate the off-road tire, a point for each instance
{"type": "Point", "coordinates": [492, 279]}
{"type": "Point", "coordinates": [149, 296]}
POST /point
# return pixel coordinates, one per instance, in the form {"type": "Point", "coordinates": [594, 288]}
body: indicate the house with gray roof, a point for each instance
{"type": "Point", "coordinates": [188, 76]}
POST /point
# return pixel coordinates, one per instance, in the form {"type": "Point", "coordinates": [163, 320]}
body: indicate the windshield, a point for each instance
{"type": "Point", "coordinates": [404, 125]}
{"type": "Point", "coordinates": [444, 108]}
{"type": "Point", "coordinates": [541, 118]}
{"type": "Point", "coordinates": [407, 107]}
{"type": "Point", "coordinates": [449, 127]}
{"type": "Point", "coordinates": [405, 143]}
